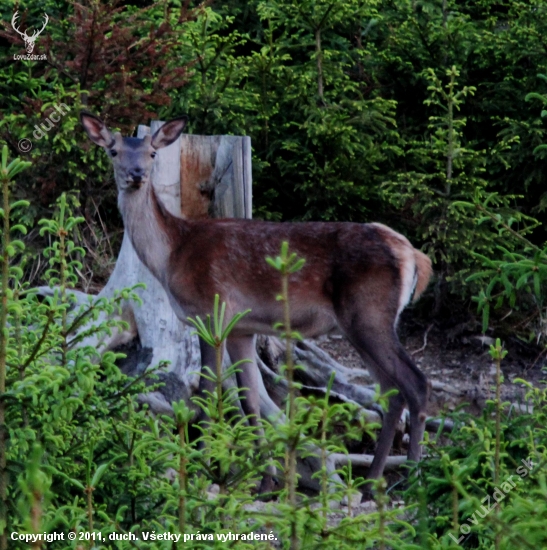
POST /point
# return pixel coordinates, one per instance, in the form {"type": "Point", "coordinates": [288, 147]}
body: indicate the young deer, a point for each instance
{"type": "Point", "coordinates": [357, 277]}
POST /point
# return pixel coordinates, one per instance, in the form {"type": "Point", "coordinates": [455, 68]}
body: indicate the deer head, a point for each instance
{"type": "Point", "coordinates": [358, 277]}
{"type": "Point", "coordinates": [29, 40]}
{"type": "Point", "coordinates": [132, 158]}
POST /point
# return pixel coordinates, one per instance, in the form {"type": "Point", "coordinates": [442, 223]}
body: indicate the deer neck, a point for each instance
{"type": "Point", "coordinates": [149, 226]}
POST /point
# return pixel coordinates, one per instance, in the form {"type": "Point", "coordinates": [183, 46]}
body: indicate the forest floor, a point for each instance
{"type": "Point", "coordinates": [462, 373]}
{"type": "Point", "coordinates": [458, 364]}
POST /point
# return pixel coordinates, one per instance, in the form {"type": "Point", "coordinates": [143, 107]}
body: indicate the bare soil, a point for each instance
{"type": "Point", "coordinates": [461, 371]}
{"type": "Point", "coordinates": [458, 363]}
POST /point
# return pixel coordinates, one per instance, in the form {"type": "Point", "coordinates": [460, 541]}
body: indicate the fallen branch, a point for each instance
{"type": "Point", "coordinates": [342, 459]}
{"type": "Point", "coordinates": [425, 341]}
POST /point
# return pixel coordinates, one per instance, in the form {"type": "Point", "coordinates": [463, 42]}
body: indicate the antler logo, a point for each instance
{"type": "Point", "coordinates": [29, 40]}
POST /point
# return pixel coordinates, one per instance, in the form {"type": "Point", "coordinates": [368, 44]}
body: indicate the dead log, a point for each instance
{"type": "Point", "coordinates": [366, 460]}
{"type": "Point", "coordinates": [210, 176]}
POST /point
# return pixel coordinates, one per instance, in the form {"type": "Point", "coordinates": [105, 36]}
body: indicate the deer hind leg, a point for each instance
{"type": "Point", "coordinates": [390, 420]}
{"type": "Point", "coordinates": [417, 396]}
{"type": "Point", "coordinates": [244, 348]}
{"type": "Point", "coordinates": [377, 343]}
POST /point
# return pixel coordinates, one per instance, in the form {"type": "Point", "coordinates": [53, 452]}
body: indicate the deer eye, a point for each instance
{"type": "Point", "coordinates": [113, 153]}
{"type": "Point", "coordinates": [153, 155]}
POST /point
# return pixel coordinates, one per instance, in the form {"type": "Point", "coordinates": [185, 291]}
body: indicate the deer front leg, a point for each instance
{"type": "Point", "coordinates": [206, 386]}
{"type": "Point", "coordinates": [244, 348]}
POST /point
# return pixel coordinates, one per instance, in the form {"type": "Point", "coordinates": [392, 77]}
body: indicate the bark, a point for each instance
{"type": "Point", "coordinates": [216, 180]}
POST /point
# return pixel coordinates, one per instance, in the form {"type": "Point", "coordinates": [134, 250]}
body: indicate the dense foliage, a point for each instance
{"type": "Point", "coordinates": [80, 457]}
{"type": "Point", "coordinates": [426, 115]}
{"type": "Point", "coordinates": [358, 110]}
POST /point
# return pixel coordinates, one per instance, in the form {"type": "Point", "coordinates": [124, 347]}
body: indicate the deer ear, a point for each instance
{"type": "Point", "coordinates": [96, 129]}
{"type": "Point", "coordinates": [169, 132]}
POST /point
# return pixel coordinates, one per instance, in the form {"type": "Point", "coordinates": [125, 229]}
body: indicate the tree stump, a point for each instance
{"type": "Point", "coordinates": [194, 177]}
{"type": "Point", "coordinates": [198, 177]}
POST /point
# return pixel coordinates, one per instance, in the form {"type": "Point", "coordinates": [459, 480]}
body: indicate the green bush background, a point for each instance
{"type": "Point", "coordinates": [361, 110]}
{"type": "Point", "coordinates": [424, 115]}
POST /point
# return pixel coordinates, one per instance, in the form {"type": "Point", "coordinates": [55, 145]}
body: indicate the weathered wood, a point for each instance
{"type": "Point", "coordinates": [181, 173]}
{"type": "Point", "coordinates": [197, 164]}
{"type": "Point", "coordinates": [198, 177]}
{"type": "Point", "coordinates": [340, 459]}
{"type": "Point", "coordinates": [215, 176]}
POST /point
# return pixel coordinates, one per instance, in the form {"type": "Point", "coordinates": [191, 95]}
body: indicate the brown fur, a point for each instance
{"type": "Point", "coordinates": [425, 271]}
{"type": "Point", "coordinates": [357, 277]}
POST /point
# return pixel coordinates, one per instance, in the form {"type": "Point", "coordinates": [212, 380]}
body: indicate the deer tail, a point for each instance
{"type": "Point", "coordinates": [423, 273]}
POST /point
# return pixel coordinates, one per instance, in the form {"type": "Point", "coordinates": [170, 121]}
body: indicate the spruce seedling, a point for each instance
{"type": "Point", "coordinates": [288, 264]}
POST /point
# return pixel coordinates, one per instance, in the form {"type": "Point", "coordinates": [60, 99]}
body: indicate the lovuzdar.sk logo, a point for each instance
{"type": "Point", "coordinates": [29, 41]}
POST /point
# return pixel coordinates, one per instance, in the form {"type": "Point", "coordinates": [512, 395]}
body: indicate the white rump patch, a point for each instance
{"type": "Point", "coordinates": [409, 277]}
{"type": "Point", "coordinates": [404, 252]}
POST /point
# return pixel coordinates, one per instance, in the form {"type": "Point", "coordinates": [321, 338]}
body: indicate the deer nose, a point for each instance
{"type": "Point", "coordinates": [136, 174]}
